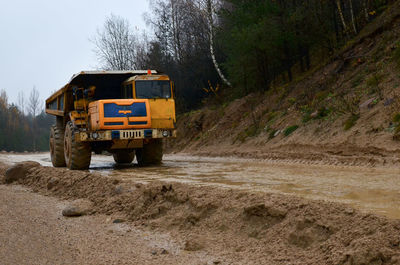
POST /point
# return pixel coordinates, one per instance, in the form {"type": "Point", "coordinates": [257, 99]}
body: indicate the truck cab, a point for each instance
{"type": "Point", "coordinates": [127, 113]}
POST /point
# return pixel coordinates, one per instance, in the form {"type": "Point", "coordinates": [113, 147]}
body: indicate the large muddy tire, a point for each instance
{"type": "Point", "coordinates": [77, 154]}
{"type": "Point", "coordinates": [57, 146]}
{"type": "Point", "coordinates": [124, 156]}
{"type": "Point", "coordinates": [150, 154]}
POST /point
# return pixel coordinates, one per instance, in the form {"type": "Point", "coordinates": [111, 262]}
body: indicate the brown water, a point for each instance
{"type": "Point", "coordinates": [374, 190]}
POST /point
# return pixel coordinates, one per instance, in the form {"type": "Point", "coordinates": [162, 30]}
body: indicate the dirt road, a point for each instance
{"type": "Point", "coordinates": [370, 189]}
{"type": "Point", "coordinates": [195, 210]}
{"type": "Point", "coordinates": [32, 231]}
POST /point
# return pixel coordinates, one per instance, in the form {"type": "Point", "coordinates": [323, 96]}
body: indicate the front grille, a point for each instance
{"type": "Point", "coordinates": [137, 122]}
{"type": "Point", "coordinates": [136, 109]}
{"type": "Point", "coordinates": [113, 123]}
{"type": "Point", "coordinates": [131, 134]}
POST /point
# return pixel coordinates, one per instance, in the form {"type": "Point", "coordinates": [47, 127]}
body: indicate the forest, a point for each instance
{"type": "Point", "coordinates": [214, 50]}
{"type": "Point", "coordinates": [25, 126]}
{"type": "Point", "coordinates": [226, 49]}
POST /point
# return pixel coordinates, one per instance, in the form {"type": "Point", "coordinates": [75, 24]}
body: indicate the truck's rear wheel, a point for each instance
{"type": "Point", "coordinates": [77, 154]}
{"type": "Point", "coordinates": [150, 154]}
{"type": "Point", "coordinates": [124, 156]}
{"type": "Point", "coordinates": [57, 146]}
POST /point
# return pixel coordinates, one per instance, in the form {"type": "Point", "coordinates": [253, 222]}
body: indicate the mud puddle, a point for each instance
{"type": "Point", "coordinates": [369, 189]}
{"type": "Point", "coordinates": [374, 190]}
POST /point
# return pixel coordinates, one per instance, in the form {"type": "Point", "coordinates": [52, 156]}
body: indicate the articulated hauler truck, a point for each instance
{"type": "Point", "coordinates": [126, 113]}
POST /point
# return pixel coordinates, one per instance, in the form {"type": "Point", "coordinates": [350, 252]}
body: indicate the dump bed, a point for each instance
{"type": "Point", "coordinates": [108, 86]}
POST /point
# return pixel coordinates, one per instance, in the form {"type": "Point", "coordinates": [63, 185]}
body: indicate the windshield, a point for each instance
{"type": "Point", "coordinates": [153, 89]}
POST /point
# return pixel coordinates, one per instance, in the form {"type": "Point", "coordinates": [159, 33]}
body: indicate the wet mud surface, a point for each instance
{"type": "Point", "coordinates": [370, 189]}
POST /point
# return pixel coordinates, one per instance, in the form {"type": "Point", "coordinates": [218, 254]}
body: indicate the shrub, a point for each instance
{"type": "Point", "coordinates": [306, 117]}
{"type": "Point", "coordinates": [271, 115]}
{"type": "Point", "coordinates": [272, 133]}
{"type": "Point", "coordinates": [289, 130]}
{"type": "Point", "coordinates": [374, 80]}
{"type": "Point", "coordinates": [292, 101]}
{"type": "Point", "coordinates": [351, 121]}
{"type": "Point", "coordinates": [396, 117]}
{"type": "Point", "coordinates": [323, 112]}
{"type": "Point", "coordinates": [250, 131]}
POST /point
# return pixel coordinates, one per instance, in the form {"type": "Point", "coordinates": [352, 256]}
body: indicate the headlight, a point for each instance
{"type": "Point", "coordinates": [95, 135]}
{"type": "Point", "coordinates": [165, 133]}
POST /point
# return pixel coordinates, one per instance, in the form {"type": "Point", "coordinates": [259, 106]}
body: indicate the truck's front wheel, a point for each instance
{"type": "Point", "coordinates": [150, 154]}
{"type": "Point", "coordinates": [57, 146]}
{"type": "Point", "coordinates": [124, 156]}
{"type": "Point", "coordinates": [77, 154]}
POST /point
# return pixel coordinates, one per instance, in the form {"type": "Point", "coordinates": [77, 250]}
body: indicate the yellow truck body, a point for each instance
{"type": "Point", "coordinates": [121, 112]}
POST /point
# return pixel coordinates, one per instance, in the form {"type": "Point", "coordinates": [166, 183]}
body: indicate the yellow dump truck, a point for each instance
{"type": "Point", "coordinates": [126, 113]}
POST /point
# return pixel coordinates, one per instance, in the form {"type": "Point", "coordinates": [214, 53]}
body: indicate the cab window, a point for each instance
{"type": "Point", "coordinates": [153, 89]}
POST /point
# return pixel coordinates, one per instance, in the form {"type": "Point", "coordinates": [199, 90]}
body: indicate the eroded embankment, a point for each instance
{"type": "Point", "coordinates": [241, 226]}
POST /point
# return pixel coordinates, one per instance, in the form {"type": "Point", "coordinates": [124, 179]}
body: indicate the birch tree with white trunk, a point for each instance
{"type": "Point", "coordinates": [210, 11]}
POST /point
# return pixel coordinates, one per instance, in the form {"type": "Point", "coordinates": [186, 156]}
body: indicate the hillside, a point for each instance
{"type": "Point", "coordinates": [345, 111]}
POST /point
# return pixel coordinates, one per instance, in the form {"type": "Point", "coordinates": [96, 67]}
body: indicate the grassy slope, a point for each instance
{"type": "Point", "coordinates": [344, 109]}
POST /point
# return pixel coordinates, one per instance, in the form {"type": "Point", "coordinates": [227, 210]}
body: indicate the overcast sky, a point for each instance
{"type": "Point", "coordinates": [44, 42]}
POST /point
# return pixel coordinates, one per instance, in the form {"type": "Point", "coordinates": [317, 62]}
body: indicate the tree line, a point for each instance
{"type": "Point", "coordinates": [25, 125]}
{"type": "Point", "coordinates": [239, 46]}
{"type": "Point", "coordinates": [242, 45]}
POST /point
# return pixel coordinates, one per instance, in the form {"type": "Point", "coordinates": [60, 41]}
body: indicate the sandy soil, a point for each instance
{"type": "Point", "coordinates": [33, 231]}
{"type": "Point", "coordinates": [207, 224]}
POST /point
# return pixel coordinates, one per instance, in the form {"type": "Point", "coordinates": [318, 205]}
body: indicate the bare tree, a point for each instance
{"type": "Point", "coordinates": [167, 22]}
{"type": "Point", "coordinates": [141, 49]}
{"type": "Point", "coordinates": [180, 27]}
{"type": "Point", "coordinates": [115, 45]}
{"type": "Point", "coordinates": [4, 98]}
{"type": "Point", "coordinates": [21, 102]}
{"type": "Point", "coordinates": [33, 104]}
{"type": "Point", "coordinates": [33, 107]}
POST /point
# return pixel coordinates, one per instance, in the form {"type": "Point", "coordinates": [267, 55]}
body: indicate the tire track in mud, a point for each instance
{"type": "Point", "coordinates": [339, 155]}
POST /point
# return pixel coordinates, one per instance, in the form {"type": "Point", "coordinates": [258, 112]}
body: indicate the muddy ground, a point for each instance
{"type": "Point", "coordinates": [370, 189]}
{"type": "Point", "coordinates": [203, 224]}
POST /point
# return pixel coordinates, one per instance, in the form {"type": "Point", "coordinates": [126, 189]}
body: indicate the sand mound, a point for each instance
{"type": "Point", "coordinates": [19, 170]}
{"type": "Point", "coordinates": [245, 227]}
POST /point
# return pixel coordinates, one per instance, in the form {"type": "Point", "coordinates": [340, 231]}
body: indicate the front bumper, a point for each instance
{"type": "Point", "coordinates": [109, 135]}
